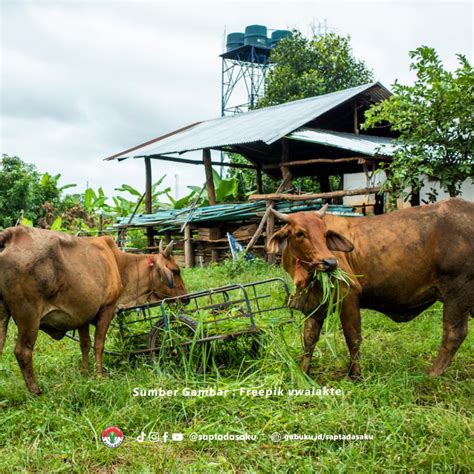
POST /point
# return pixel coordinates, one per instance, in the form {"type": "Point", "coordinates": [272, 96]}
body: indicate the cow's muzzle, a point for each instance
{"type": "Point", "coordinates": [329, 264]}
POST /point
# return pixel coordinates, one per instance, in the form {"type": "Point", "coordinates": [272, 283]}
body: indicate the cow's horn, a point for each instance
{"type": "Point", "coordinates": [169, 249]}
{"type": "Point", "coordinates": [160, 247]}
{"type": "Point", "coordinates": [322, 211]}
{"type": "Point", "coordinates": [280, 215]}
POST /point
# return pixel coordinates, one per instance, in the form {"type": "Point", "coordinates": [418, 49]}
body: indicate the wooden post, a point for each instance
{"type": "Point", "coordinates": [215, 252]}
{"type": "Point", "coordinates": [269, 232]}
{"type": "Point", "coordinates": [211, 192]}
{"type": "Point", "coordinates": [324, 183]}
{"type": "Point", "coordinates": [101, 224]}
{"type": "Point", "coordinates": [285, 158]}
{"type": "Point", "coordinates": [259, 180]}
{"type": "Point", "coordinates": [188, 247]}
{"type": "Point", "coordinates": [356, 119]}
{"type": "Point", "coordinates": [379, 204]}
{"type": "Point", "coordinates": [148, 202]}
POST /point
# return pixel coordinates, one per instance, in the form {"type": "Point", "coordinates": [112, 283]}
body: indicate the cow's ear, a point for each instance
{"type": "Point", "coordinates": [338, 242]}
{"type": "Point", "coordinates": [167, 276]}
{"type": "Point", "coordinates": [277, 240]}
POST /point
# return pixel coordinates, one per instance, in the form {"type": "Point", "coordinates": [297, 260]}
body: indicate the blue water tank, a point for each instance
{"type": "Point", "coordinates": [234, 40]}
{"type": "Point", "coordinates": [278, 35]}
{"type": "Point", "coordinates": [256, 35]}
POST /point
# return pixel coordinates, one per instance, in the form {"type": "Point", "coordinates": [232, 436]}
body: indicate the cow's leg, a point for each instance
{"type": "Point", "coordinates": [85, 340]}
{"type": "Point", "coordinates": [455, 318]}
{"type": "Point", "coordinates": [4, 319]}
{"type": "Point", "coordinates": [350, 319]}
{"type": "Point", "coordinates": [27, 335]}
{"type": "Point", "coordinates": [312, 330]}
{"type": "Point", "coordinates": [103, 323]}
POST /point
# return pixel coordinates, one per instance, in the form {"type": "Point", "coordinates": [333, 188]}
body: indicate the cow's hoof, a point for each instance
{"type": "Point", "coordinates": [305, 366]}
{"type": "Point", "coordinates": [36, 391]}
{"type": "Point", "coordinates": [356, 377]}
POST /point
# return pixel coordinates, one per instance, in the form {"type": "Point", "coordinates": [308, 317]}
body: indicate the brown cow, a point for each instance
{"type": "Point", "coordinates": [406, 260]}
{"type": "Point", "coordinates": [55, 282]}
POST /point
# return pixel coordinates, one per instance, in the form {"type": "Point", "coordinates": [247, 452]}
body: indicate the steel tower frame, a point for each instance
{"type": "Point", "coordinates": [247, 65]}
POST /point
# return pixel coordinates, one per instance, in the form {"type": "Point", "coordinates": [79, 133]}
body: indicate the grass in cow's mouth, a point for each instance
{"type": "Point", "coordinates": [334, 287]}
{"type": "Point", "coordinates": [332, 293]}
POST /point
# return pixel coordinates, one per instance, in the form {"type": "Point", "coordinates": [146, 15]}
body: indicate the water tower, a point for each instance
{"type": "Point", "coordinates": [245, 66]}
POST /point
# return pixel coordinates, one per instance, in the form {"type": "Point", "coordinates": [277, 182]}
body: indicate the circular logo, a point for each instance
{"type": "Point", "coordinates": [276, 437]}
{"type": "Point", "coordinates": [112, 437]}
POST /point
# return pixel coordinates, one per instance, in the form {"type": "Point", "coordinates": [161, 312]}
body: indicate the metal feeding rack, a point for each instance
{"type": "Point", "coordinates": [179, 323]}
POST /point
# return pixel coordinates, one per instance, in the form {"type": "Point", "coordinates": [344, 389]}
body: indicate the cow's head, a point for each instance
{"type": "Point", "coordinates": [170, 282]}
{"type": "Point", "coordinates": [309, 243]}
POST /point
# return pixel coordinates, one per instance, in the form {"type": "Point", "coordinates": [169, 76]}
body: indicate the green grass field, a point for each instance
{"type": "Point", "coordinates": [418, 424]}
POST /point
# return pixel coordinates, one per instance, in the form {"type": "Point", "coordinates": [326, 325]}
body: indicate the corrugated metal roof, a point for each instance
{"type": "Point", "coordinates": [265, 125]}
{"type": "Point", "coordinates": [365, 144]}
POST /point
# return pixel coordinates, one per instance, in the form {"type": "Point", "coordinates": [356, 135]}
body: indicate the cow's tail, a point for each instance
{"type": "Point", "coordinates": [4, 319]}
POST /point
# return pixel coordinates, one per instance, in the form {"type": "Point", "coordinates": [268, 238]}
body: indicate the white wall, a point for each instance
{"type": "Point", "coordinates": [467, 190]}
{"type": "Point", "coordinates": [359, 180]}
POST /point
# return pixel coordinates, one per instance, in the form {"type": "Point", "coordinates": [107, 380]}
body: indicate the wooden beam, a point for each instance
{"type": "Point", "coordinates": [188, 248]}
{"type": "Point", "coordinates": [259, 230]}
{"type": "Point", "coordinates": [306, 197]}
{"type": "Point", "coordinates": [211, 192]}
{"type": "Point", "coordinates": [187, 161]}
{"type": "Point", "coordinates": [148, 200]}
{"type": "Point", "coordinates": [317, 161]}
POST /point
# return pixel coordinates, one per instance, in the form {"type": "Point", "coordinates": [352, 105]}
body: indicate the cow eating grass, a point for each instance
{"type": "Point", "coordinates": [56, 282]}
{"type": "Point", "coordinates": [405, 261]}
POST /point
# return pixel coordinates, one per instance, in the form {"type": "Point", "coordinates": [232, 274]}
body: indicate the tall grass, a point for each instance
{"type": "Point", "coordinates": [419, 424]}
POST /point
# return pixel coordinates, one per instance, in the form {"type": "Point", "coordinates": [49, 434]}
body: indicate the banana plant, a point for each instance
{"type": "Point", "coordinates": [48, 180]}
{"type": "Point", "coordinates": [124, 206]}
{"type": "Point", "coordinates": [94, 202]}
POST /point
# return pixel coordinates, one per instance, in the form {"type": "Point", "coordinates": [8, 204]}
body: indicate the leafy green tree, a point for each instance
{"type": "Point", "coordinates": [435, 120]}
{"type": "Point", "coordinates": [22, 187]}
{"type": "Point", "coordinates": [305, 67]}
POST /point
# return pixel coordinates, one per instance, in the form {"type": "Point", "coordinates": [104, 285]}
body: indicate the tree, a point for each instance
{"type": "Point", "coordinates": [305, 67]}
{"type": "Point", "coordinates": [434, 118]}
{"type": "Point", "coordinates": [22, 187]}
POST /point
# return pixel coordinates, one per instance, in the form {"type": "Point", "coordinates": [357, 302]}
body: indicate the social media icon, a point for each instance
{"type": "Point", "coordinates": [177, 436]}
{"type": "Point", "coordinates": [141, 437]}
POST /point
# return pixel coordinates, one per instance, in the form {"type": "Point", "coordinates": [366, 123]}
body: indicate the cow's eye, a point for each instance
{"type": "Point", "coordinates": [299, 234]}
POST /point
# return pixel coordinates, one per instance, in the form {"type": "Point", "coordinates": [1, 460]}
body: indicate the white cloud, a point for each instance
{"type": "Point", "coordinates": [84, 80]}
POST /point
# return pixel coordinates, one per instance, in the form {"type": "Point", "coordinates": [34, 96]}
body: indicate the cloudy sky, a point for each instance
{"type": "Point", "coordinates": [83, 80]}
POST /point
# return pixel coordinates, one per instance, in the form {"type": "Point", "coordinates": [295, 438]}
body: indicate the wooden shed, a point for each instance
{"type": "Point", "coordinates": [318, 136]}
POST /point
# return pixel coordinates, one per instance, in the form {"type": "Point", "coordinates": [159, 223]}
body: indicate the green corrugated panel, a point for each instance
{"type": "Point", "coordinates": [174, 218]}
